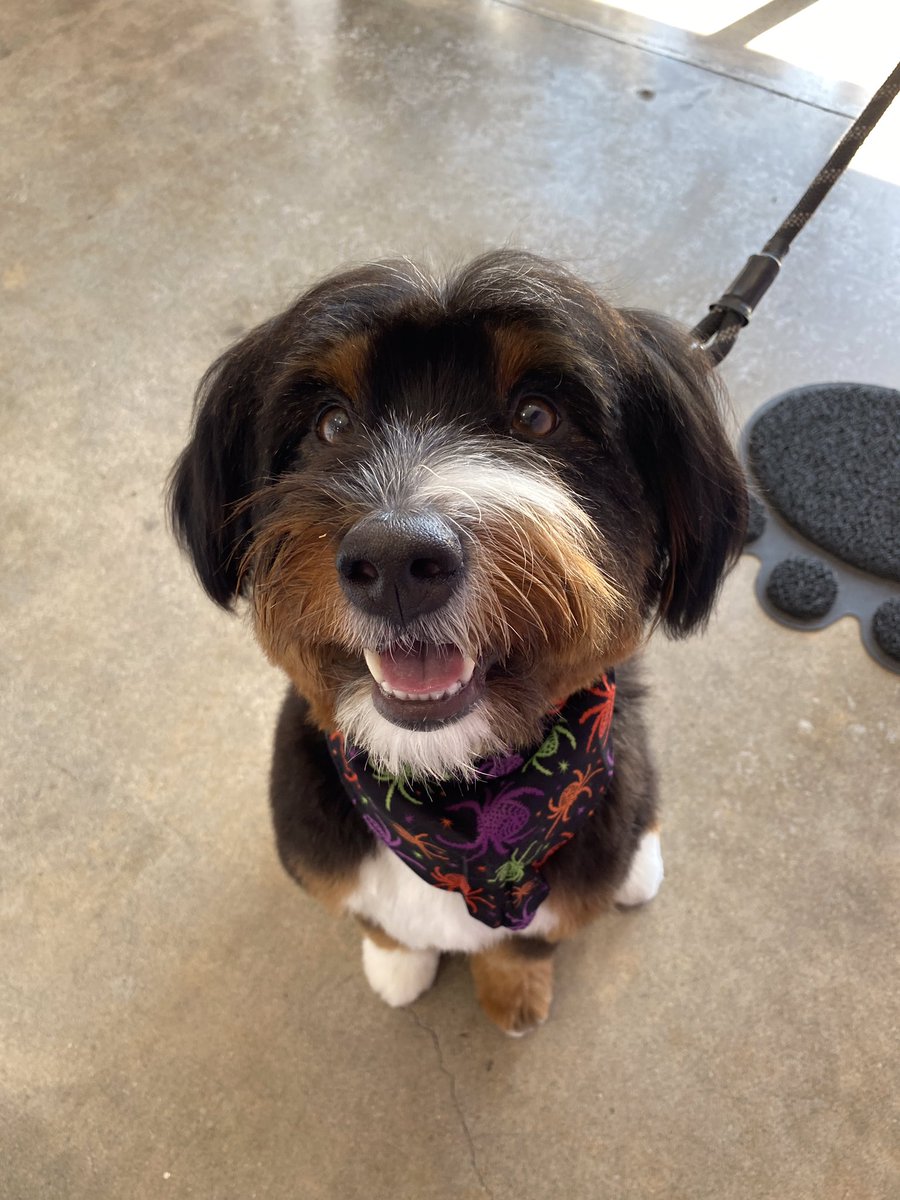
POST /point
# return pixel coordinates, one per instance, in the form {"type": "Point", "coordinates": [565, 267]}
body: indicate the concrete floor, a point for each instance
{"type": "Point", "coordinates": [177, 1019]}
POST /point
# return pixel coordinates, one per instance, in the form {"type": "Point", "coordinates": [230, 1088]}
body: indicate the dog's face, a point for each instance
{"type": "Point", "coordinates": [454, 504]}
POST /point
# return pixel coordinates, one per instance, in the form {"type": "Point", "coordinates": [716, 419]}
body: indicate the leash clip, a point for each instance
{"type": "Point", "coordinates": [717, 331]}
{"type": "Point", "coordinates": [757, 276]}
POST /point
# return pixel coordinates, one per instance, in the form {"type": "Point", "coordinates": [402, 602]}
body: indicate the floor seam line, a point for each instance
{"type": "Point", "coordinates": [621, 40]}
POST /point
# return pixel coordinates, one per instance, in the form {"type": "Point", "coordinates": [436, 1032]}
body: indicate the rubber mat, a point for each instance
{"type": "Point", "coordinates": [824, 462]}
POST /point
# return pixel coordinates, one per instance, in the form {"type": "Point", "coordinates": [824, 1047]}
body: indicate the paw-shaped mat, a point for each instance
{"type": "Point", "coordinates": [825, 463]}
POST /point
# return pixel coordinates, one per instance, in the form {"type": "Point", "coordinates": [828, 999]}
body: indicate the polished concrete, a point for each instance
{"type": "Point", "coordinates": [176, 1020]}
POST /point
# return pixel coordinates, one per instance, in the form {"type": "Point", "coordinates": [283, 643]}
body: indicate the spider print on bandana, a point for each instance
{"type": "Point", "coordinates": [395, 783]}
{"type": "Point", "coordinates": [550, 746]}
{"type": "Point", "coordinates": [499, 822]}
{"type": "Point", "coordinates": [513, 870]}
{"type": "Point", "coordinates": [604, 691]}
{"type": "Point", "coordinates": [489, 840]}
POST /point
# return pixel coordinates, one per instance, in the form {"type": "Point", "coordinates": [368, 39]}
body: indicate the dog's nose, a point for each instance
{"type": "Point", "coordinates": [400, 565]}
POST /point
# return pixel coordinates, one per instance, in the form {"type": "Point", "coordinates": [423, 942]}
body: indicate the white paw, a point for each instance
{"type": "Point", "coordinates": [645, 873]}
{"type": "Point", "coordinates": [399, 976]}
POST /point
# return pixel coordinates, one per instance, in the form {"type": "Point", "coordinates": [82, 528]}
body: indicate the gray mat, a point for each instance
{"type": "Point", "coordinates": [825, 464]}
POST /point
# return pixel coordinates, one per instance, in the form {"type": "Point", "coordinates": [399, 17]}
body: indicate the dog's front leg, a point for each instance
{"type": "Point", "coordinates": [320, 838]}
{"type": "Point", "coordinates": [514, 983]}
{"type": "Point", "coordinates": [645, 874]}
{"type": "Point", "coordinates": [322, 843]}
{"type": "Point", "coordinates": [395, 973]}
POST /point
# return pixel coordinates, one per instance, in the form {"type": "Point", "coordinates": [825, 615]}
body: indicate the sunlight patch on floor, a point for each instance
{"type": "Point", "coordinates": [853, 40]}
{"type": "Point", "coordinates": [847, 41]}
{"type": "Point", "coordinates": [693, 16]}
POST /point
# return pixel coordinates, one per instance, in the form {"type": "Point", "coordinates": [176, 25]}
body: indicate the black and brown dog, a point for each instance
{"type": "Point", "coordinates": [457, 507]}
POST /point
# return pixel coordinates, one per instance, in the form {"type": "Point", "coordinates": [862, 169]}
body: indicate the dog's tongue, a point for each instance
{"type": "Point", "coordinates": [422, 669]}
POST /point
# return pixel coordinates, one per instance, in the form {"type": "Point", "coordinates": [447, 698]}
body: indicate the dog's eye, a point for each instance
{"type": "Point", "coordinates": [333, 423]}
{"type": "Point", "coordinates": [534, 417]}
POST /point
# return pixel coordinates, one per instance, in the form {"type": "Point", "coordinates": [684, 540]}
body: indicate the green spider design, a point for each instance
{"type": "Point", "coordinates": [396, 783]}
{"type": "Point", "coordinates": [549, 747]}
{"type": "Point", "coordinates": [513, 870]}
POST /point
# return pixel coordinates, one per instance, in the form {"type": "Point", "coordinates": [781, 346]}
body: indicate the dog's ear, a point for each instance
{"type": "Point", "coordinates": [690, 473]}
{"type": "Point", "coordinates": [219, 468]}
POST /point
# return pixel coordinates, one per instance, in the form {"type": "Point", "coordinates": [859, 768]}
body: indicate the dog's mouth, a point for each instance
{"type": "Point", "coordinates": [424, 686]}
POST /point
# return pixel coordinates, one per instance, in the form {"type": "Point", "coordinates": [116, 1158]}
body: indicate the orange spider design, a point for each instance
{"type": "Point", "coordinates": [421, 842]}
{"type": "Point", "coordinates": [458, 883]}
{"type": "Point", "coordinates": [602, 712]}
{"type": "Point", "coordinates": [567, 836]}
{"type": "Point", "coordinates": [349, 774]}
{"type": "Point", "coordinates": [524, 889]}
{"type": "Point", "coordinates": [570, 795]}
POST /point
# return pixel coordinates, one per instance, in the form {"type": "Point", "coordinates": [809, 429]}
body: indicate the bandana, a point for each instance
{"type": "Point", "coordinates": [490, 839]}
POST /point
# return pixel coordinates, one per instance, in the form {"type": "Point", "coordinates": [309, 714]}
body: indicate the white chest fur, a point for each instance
{"type": "Point", "coordinates": [424, 917]}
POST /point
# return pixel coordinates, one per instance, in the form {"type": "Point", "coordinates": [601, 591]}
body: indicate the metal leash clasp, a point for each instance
{"type": "Point", "coordinates": [717, 331]}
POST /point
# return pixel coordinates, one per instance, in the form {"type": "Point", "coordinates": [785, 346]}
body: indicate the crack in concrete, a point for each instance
{"type": "Point", "coordinates": [454, 1097]}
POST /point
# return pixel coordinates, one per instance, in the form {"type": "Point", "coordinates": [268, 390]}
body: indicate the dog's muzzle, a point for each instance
{"type": "Point", "coordinates": [400, 565]}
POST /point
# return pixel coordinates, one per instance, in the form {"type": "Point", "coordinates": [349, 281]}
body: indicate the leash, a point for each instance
{"type": "Point", "coordinates": [717, 332]}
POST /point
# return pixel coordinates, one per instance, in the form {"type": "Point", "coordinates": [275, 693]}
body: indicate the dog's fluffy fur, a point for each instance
{"type": "Point", "coordinates": [575, 539]}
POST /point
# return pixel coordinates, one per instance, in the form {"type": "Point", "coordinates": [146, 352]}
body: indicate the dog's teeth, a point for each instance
{"type": "Point", "coordinates": [396, 694]}
{"type": "Point", "coordinates": [373, 662]}
{"type": "Point", "coordinates": [467, 671]}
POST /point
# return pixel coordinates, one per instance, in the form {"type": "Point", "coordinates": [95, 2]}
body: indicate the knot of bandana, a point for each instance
{"type": "Point", "coordinates": [490, 839]}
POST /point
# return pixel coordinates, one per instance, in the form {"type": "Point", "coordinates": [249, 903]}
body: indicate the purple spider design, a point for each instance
{"type": "Point", "coordinates": [500, 823]}
{"type": "Point", "coordinates": [500, 764]}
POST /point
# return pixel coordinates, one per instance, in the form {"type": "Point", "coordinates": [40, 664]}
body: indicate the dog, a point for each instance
{"type": "Point", "coordinates": [457, 507]}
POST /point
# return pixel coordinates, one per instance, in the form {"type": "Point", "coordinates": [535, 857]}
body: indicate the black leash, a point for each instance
{"type": "Point", "coordinates": [718, 330]}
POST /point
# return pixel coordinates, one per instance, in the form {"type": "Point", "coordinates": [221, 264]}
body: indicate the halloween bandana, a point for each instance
{"type": "Point", "coordinates": [490, 839]}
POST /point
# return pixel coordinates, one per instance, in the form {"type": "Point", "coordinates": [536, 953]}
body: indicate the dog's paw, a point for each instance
{"type": "Point", "coordinates": [645, 873]}
{"type": "Point", "coordinates": [522, 1014]}
{"type": "Point", "coordinates": [520, 1007]}
{"type": "Point", "coordinates": [515, 991]}
{"type": "Point", "coordinates": [399, 976]}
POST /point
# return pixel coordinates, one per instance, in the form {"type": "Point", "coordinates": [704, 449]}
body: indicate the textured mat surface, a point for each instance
{"type": "Point", "coordinates": [825, 461]}
{"type": "Point", "coordinates": [827, 458]}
